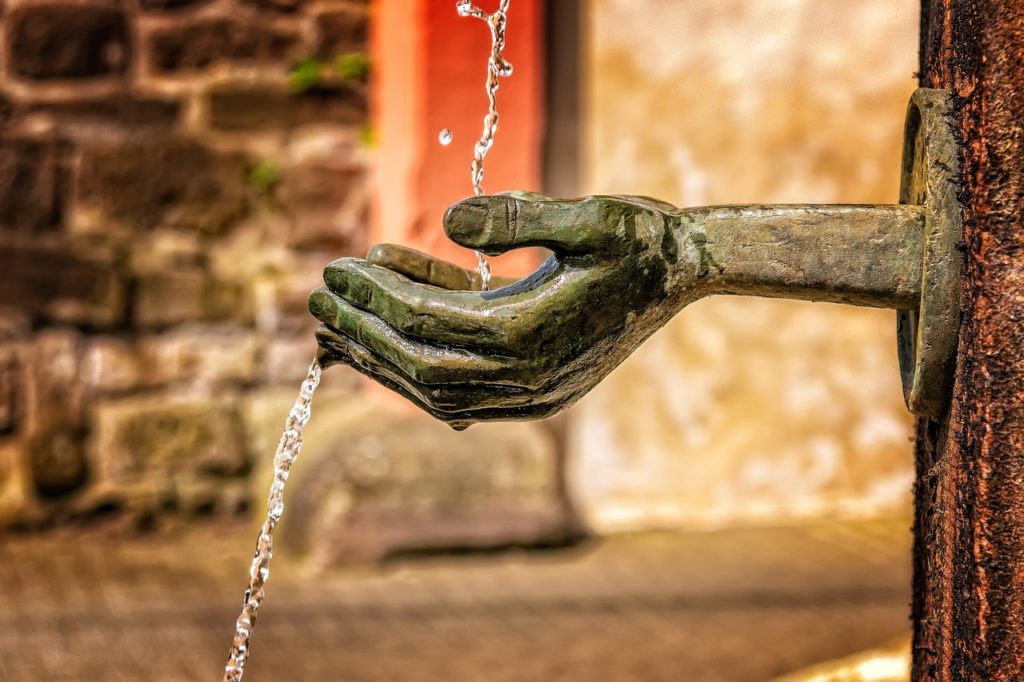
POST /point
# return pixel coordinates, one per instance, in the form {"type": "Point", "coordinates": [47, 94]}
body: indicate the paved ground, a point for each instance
{"type": "Point", "coordinates": [738, 606]}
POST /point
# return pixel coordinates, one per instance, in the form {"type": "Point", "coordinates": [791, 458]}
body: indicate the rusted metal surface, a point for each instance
{"type": "Point", "coordinates": [969, 550]}
{"type": "Point", "coordinates": [927, 334]}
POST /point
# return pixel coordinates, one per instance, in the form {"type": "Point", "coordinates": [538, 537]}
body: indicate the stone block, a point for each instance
{"type": "Point", "coordinates": [325, 190]}
{"type": "Point", "coordinates": [372, 482]}
{"type": "Point", "coordinates": [238, 106]}
{"type": "Point", "coordinates": [282, 300]}
{"type": "Point", "coordinates": [62, 282]}
{"type": "Point", "coordinates": [160, 438]}
{"type": "Point", "coordinates": [115, 115]}
{"type": "Point", "coordinates": [287, 6]}
{"type": "Point", "coordinates": [201, 354]}
{"type": "Point", "coordinates": [7, 109]}
{"type": "Point", "coordinates": [15, 325]}
{"type": "Point", "coordinates": [171, 297]}
{"type": "Point", "coordinates": [199, 44]}
{"type": "Point", "coordinates": [163, 183]}
{"type": "Point", "coordinates": [16, 498]}
{"type": "Point", "coordinates": [169, 5]}
{"type": "Point", "coordinates": [342, 30]}
{"type": "Point", "coordinates": [10, 385]}
{"type": "Point", "coordinates": [54, 412]}
{"type": "Point", "coordinates": [285, 359]}
{"type": "Point", "coordinates": [57, 461]}
{"type": "Point", "coordinates": [33, 179]}
{"type": "Point", "coordinates": [110, 365]}
{"type": "Point", "coordinates": [68, 42]}
{"type": "Point", "coordinates": [51, 389]}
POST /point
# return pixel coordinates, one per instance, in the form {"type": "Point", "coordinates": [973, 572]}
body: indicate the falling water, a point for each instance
{"type": "Point", "coordinates": [290, 445]}
{"type": "Point", "coordinates": [288, 449]}
{"type": "Point", "coordinates": [496, 67]}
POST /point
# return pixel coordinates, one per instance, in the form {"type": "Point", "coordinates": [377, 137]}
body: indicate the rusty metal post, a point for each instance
{"type": "Point", "coordinates": [968, 603]}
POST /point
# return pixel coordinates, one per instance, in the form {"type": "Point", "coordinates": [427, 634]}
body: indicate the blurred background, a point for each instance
{"type": "Point", "coordinates": [733, 503]}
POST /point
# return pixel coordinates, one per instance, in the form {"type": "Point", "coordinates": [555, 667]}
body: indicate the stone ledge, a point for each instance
{"type": "Point", "coordinates": [161, 437]}
{"type": "Point", "coordinates": [373, 482]}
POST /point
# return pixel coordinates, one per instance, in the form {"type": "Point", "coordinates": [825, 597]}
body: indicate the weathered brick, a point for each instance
{"type": "Point", "coordinates": [207, 355]}
{"type": "Point", "coordinates": [56, 459]}
{"type": "Point", "coordinates": [201, 43]}
{"type": "Point", "coordinates": [15, 487]}
{"type": "Point", "coordinates": [164, 183]}
{"type": "Point", "coordinates": [186, 295]}
{"type": "Point", "coordinates": [6, 109]}
{"type": "Point", "coordinates": [245, 107]}
{"type": "Point", "coordinates": [10, 381]}
{"type": "Point", "coordinates": [342, 30]}
{"type": "Point", "coordinates": [281, 299]}
{"type": "Point", "coordinates": [51, 389]}
{"type": "Point", "coordinates": [61, 282]}
{"type": "Point", "coordinates": [33, 179]}
{"type": "Point", "coordinates": [170, 5]}
{"type": "Point", "coordinates": [326, 193]}
{"type": "Point", "coordinates": [110, 365]}
{"type": "Point", "coordinates": [54, 403]}
{"type": "Point", "coordinates": [121, 113]}
{"type": "Point", "coordinates": [160, 437]}
{"type": "Point", "coordinates": [65, 41]}
{"type": "Point", "coordinates": [278, 5]}
{"type": "Point", "coordinates": [285, 359]}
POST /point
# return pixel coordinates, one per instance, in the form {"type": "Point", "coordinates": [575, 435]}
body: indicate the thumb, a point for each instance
{"type": "Point", "coordinates": [495, 224]}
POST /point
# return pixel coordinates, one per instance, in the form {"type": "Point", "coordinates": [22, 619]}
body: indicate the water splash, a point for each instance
{"type": "Point", "coordinates": [288, 449]}
{"type": "Point", "coordinates": [497, 67]}
{"type": "Point", "coordinates": [445, 137]}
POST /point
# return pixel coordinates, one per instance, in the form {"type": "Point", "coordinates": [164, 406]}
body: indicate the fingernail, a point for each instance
{"type": "Point", "coordinates": [469, 212]}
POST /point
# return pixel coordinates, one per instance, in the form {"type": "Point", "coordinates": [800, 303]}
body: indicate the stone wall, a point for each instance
{"type": "Point", "coordinates": [173, 176]}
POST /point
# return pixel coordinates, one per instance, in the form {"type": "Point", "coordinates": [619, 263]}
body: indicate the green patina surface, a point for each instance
{"type": "Point", "coordinates": [621, 266]}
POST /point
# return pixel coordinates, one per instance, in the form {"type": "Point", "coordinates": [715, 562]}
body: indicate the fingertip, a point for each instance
{"type": "Point", "coordinates": [336, 273]}
{"type": "Point", "coordinates": [379, 253]}
{"type": "Point", "coordinates": [321, 305]}
{"type": "Point", "coordinates": [467, 221]}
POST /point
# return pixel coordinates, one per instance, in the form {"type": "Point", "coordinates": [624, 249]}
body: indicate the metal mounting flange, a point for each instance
{"type": "Point", "coordinates": [927, 337]}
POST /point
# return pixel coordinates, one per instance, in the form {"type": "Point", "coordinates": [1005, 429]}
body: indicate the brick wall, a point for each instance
{"type": "Point", "coordinates": [173, 176]}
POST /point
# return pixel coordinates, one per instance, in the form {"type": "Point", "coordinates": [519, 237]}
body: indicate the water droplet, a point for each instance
{"type": "Point", "coordinates": [445, 137]}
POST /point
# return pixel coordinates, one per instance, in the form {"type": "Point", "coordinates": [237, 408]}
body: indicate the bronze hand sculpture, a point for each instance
{"type": "Point", "coordinates": [621, 267]}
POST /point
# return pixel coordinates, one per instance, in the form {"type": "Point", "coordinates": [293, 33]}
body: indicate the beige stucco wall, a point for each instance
{"type": "Point", "coordinates": [745, 409]}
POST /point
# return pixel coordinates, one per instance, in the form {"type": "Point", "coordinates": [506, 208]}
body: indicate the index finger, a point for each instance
{"type": "Point", "coordinates": [495, 224]}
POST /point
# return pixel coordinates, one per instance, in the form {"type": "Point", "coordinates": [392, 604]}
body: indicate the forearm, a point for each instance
{"type": "Point", "coordinates": [863, 255]}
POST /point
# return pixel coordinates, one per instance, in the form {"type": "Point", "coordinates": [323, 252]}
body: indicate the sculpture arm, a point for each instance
{"type": "Point", "coordinates": [862, 255]}
{"type": "Point", "coordinates": [622, 266]}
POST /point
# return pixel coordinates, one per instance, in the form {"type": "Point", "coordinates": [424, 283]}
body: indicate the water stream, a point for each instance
{"type": "Point", "coordinates": [497, 67]}
{"type": "Point", "coordinates": [290, 445]}
{"type": "Point", "coordinates": [288, 449]}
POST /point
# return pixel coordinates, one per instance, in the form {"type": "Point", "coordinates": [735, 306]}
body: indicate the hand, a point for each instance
{"type": "Point", "coordinates": [526, 350]}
